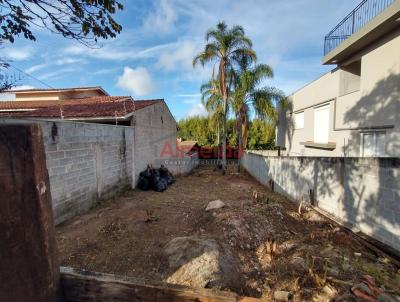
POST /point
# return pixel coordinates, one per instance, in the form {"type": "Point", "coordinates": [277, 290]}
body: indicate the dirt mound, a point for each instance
{"type": "Point", "coordinates": [199, 262]}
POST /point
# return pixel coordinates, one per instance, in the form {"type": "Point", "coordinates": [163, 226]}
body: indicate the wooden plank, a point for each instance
{"type": "Point", "coordinates": [28, 267]}
{"type": "Point", "coordinates": [78, 286]}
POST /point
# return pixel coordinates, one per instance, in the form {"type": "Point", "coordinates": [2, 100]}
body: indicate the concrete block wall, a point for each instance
{"type": "Point", "coordinates": [86, 163]}
{"type": "Point", "coordinates": [362, 192]}
{"type": "Point", "coordinates": [155, 136]}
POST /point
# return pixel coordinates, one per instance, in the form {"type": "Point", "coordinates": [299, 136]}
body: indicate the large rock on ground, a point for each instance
{"type": "Point", "coordinates": [199, 262]}
{"type": "Point", "coordinates": [214, 205]}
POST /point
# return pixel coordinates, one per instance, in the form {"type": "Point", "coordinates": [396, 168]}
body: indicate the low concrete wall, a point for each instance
{"type": "Point", "coordinates": [182, 165]}
{"type": "Point", "coordinates": [86, 163]}
{"type": "Point", "coordinates": [363, 192]}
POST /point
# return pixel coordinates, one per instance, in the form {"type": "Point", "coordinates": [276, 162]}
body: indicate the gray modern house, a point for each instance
{"type": "Point", "coordinates": [353, 110]}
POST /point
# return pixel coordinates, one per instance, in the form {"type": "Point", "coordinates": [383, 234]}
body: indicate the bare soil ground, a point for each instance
{"type": "Point", "coordinates": [279, 248]}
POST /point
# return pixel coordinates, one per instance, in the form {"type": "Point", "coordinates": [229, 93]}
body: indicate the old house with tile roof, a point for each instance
{"type": "Point", "coordinates": [86, 104]}
{"type": "Point", "coordinates": [154, 126]}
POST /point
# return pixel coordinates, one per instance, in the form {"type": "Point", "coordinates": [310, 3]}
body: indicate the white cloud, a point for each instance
{"type": "Point", "coordinates": [162, 18]}
{"type": "Point", "coordinates": [117, 51]}
{"type": "Point", "coordinates": [180, 58]}
{"type": "Point", "coordinates": [104, 71]}
{"type": "Point", "coordinates": [137, 81]}
{"type": "Point", "coordinates": [65, 61]}
{"type": "Point", "coordinates": [191, 101]}
{"type": "Point", "coordinates": [57, 74]}
{"type": "Point", "coordinates": [36, 67]}
{"type": "Point", "coordinates": [188, 95]}
{"type": "Point", "coordinates": [197, 109]}
{"type": "Point", "coordinates": [17, 54]}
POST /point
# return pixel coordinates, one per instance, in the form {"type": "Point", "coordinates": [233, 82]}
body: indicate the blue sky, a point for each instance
{"type": "Point", "coordinates": [152, 57]}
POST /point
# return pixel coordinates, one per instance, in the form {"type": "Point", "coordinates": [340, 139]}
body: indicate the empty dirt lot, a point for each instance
{"type": "Point", "coordinates": [278, 248]}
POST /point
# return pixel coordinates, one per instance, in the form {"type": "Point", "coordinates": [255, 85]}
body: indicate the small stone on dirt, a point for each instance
{"type": "Point", "coordinates": [216, 204]}
{"type": "Point", "coordinates": [281, 295]}
{"type": "Point", "coordinates": [328, 293]}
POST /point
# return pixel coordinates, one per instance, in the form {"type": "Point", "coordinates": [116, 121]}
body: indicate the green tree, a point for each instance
{"type": "Point", "coordinates": [201, 129]}
{"type": "Point", "coordinates": [227, 47]}
{"type": "Point", "coordinates": [82, 20]}
{"type": "Point", "coordinates": [6, 80]}
{"type": "Point", "coordinates": [195, 128]}
{"type": "Point", "coordinates": [249, 97]}
{"type": "Point", "coordinates": [232, 134]}
{"type": "Point", "coordinates": [213, 102]}
{"type": "Point", "coordinates": [261, 135]}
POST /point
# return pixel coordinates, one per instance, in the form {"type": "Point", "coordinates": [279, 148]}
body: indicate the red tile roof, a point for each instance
{"type": "Point", "coordinates": [104, 106]}
{"type": "Point", "coordinates": [42, 104]}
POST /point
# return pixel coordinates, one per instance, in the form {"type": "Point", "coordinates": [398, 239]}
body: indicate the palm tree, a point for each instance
{"type": "Point", "coordinates": [211, 96]}
{"type": "Point", "coordinates": [248, 95]}
{"type": "Point", "coordinates": [213, 102]}
{"type": "Point", "coordinates": [227, 47]}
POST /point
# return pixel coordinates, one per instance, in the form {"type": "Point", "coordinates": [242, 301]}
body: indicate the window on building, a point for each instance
{"type": "Point", "coordinates": [299, 120]}
{"type": "Point", "coordinates": [321, 124]}
{"type": "Point", "coordinates": [350, 78]}
{"type": "Point", "coordinates": [373, 144]}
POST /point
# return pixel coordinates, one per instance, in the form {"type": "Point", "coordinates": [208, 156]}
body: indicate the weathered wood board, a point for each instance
{"type": "Point", "coordinates": [28, 265]}
{"type": "Point", "coordinates": [79, 286]}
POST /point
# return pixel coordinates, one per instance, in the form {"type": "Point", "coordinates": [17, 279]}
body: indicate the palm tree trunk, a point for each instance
{"type": "Point", "coordinates": [240, 145]}
{"type": "Point", "coordinates": [224, 136]}
{"type": "Point", "coordinates": [218, 143]}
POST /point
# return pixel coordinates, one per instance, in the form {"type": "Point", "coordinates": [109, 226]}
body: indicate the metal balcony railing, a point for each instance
{"type": "Point", "coordinates": [360, 16]}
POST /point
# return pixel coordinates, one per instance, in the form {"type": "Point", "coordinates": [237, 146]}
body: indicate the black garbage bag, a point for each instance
{"type": "Point", "coordinates": [144, 183]}
{"type": "Point", "coordinates": [148, 172]}
{"type": "Point", "coordinates": [155, 175]}
{"type": "Point", "coordinates": [160, 185]}
{"type": "Point", "coordinates": [167, 175]}
{"type": "Point", "coordinates": [163, 171]}
{"type": "Point", "coordinates": [156, 179]}
{"type": "Point", "coordinates": [170, 179]}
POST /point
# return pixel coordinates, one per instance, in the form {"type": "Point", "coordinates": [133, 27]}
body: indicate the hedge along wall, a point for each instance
{"type": "Point", "coordinates": [362, 192]}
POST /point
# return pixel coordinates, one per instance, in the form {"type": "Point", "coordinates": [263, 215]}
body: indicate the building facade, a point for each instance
{"type": "Point", "coordinates": [354, 110]}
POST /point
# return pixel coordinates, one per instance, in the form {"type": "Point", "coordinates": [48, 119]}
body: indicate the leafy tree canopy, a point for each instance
{"type": "Point", "coordinates": [202, 130]}
{"type": "Point", "coordinates": [82, 20]}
